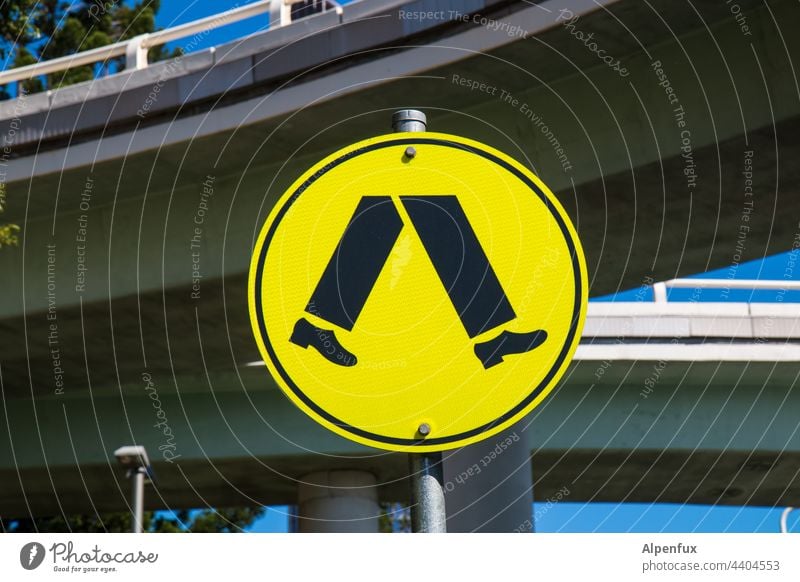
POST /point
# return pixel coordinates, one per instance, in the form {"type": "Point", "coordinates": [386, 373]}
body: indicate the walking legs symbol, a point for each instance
{"type": "Point", "coordinates": [457, 257]}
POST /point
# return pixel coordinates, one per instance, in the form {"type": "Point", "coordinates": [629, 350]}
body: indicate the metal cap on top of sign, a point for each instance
{"type": "Point", "coordinates": [417, 291]}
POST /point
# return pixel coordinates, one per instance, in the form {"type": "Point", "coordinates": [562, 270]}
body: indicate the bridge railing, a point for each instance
{"type": "Point", "coordinates": [660, 288]}
{"type": "Point", "coordinates": [135, 49]}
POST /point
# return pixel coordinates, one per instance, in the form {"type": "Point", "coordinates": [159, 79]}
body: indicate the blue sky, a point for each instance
{"type": "Point", "coordinates": [783, 266]}
{"type": "Point", "coordinates": [661, 517]}
{"type": "Point", "coordinates": [276, 519]}
{"type": "Point", "coordinates": [567, 517]}
{"type": "Point", "coordinates": [173, 12]}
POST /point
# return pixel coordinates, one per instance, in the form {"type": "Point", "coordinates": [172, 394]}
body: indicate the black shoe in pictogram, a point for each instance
{"type": "Point", "coordinates": [324, 341]}
{"type": "Point", "coordinates": [491, 352]}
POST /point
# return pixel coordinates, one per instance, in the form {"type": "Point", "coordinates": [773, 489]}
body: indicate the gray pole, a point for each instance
{"type": "Point", "coordinates": [137, 478]}
{"type": "Point", "coordinates": [409, 120]}
{"type": "Point", "coordinates": [428, 513]}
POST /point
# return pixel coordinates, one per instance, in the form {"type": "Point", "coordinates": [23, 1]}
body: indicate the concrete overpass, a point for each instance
{"type": "Point", "coordinates": [666, 167]}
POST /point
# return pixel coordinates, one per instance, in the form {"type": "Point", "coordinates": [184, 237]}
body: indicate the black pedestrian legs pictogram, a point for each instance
{"type": "Point", "coordinates": [457, 257]}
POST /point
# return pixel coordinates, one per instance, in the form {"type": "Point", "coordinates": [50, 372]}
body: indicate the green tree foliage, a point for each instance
{"type": "Point", "coordinates": [32, 31]}
{"type": "Point", "coordinates": [16, 25]}
{"type": "Point", "coordinates": [227, 520]}
{"type": "Point", "coordinates": [395, 518]}
{"type": "Point", "coordinates": [8, 232]}
{"type": "Point", "coordinates": [18, 29]}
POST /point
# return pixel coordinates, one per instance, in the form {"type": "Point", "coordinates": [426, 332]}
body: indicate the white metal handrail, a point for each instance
{"type": "Point", "coordinates": [135, 49]}
{"type": "Point", "coordinates": [785, 519]}
{"type": "Point", "coordinates": [660, 289]}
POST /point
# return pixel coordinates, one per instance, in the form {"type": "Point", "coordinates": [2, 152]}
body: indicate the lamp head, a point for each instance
{"type": "Point", "coordinates": [132, 457]}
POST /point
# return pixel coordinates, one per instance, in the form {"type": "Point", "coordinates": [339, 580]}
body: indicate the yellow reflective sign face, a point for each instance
{"type": "Point", "coordinates": [417, 292]}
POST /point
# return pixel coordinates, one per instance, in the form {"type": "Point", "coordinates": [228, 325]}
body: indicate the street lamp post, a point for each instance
{"type": "Point", "coordinates": [134, 459]}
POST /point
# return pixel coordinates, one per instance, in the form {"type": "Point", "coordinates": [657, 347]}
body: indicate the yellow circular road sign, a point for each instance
{"type": "Point", "coordinates": [417, 291]}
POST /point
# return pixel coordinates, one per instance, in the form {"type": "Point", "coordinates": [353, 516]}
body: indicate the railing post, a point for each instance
{"type": "Point", "coordinates": [785, 519]}
{"type": "Point", "coordinates": [337, 7]}
{"type": "Point", "coordinates": [135, 53]}
{"type": "Point", "coordinates": [660, 292]}
{"type": "Point", "coordinates": [280, 13]}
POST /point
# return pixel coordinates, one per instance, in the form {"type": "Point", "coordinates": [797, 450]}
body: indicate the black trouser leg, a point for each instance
{"type": "Point", "coordinates": [357, 261]}
{"type": "Point", "coordinates": [460, 262]}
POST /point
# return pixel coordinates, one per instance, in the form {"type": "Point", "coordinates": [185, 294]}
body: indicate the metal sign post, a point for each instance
{"type": "Point", "coordinates": [428, 513]}
{"type": "Point", "coordinates": [137, 478]}
{"type": "Point", "coordinates": [135, 459]}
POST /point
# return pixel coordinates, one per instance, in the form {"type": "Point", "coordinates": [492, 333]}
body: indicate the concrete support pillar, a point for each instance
{"type": "Point", "coordinates": [338, 501]}
{"type": "Point", "coordinates": [489, 485]}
